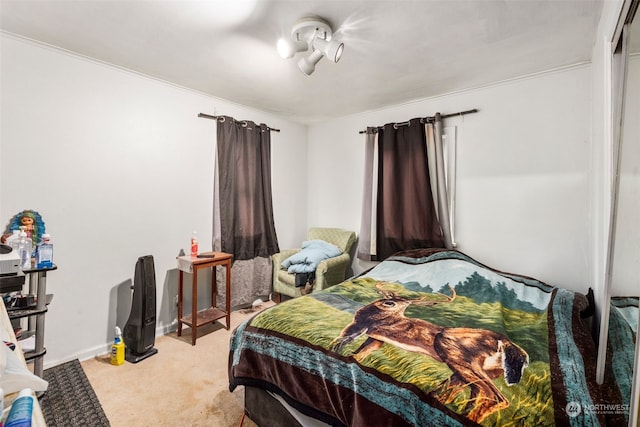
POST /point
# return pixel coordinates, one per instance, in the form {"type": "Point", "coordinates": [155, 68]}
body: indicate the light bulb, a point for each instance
{"type": "Point", "coordinates": [288, 48]}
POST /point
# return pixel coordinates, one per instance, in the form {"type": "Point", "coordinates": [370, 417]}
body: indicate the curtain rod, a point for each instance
{"type": "Point", "coordinates": [443, 116]}
{"type": "Point", "coordinates": [207, 116]}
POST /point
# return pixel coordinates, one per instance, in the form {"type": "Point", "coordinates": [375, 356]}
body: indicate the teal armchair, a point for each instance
{"type": "Point", "coordinates": [328, 273]}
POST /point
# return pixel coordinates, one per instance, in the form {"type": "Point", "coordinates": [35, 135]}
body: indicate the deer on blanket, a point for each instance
{"type": "Point", "coordinates": [476, 356]}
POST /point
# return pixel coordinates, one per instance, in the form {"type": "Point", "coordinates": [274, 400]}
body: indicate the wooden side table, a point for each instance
{"type": "Point", "coordinates": [192, 264]}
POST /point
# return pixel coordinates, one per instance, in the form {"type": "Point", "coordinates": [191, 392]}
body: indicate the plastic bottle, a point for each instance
{"type": "Point", "coordinates": [24, 251]}
{"type": "Point", "coordinates": [21, 410]}
{"type": "Point", "coordinates": [13, 239]}
{"type": "Point", "coordinates": [117, 349]}
{"type": "Point", "coordinates": [194, 244]}
{"type": "Point", "coordinates": [44, 252]}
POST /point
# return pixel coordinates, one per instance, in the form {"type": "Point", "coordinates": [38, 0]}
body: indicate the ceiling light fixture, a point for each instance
{"type": "Point", "coordinates": [311, 33]}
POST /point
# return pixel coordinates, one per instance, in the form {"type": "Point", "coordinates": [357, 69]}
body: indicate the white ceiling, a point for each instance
{"type": "Point", "coordinates": [395, 50]}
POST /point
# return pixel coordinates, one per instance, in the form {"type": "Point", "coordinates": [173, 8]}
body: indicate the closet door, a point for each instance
{"type": "Point", "coordinates": [622, 278]}
{"type": "Point", "coordinates": [625, 277]}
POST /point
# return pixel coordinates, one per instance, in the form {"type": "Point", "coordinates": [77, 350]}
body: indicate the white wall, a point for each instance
{"type": "Point", "coordinates": [523, 165]}
{"type": "Point", "coordinates": [119, 166]}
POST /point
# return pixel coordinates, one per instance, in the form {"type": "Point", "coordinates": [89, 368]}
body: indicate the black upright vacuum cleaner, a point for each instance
{"type": "Point", "coordinates": [140, 330]}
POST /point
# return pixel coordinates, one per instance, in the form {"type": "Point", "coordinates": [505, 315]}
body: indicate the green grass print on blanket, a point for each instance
{"type": "Point", "coordinates": [318, 323]}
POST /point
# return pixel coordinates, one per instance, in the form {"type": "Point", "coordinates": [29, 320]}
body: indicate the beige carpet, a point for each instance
{"type": "Point", "coordinates": [181, 385]}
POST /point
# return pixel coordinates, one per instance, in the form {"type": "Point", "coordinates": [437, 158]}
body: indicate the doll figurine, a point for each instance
{"type": "Point", "coordinates": [32, 223]}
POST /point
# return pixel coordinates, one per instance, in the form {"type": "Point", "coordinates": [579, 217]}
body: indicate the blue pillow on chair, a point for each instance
{"type": "Point", "coordinates": [311, 254]}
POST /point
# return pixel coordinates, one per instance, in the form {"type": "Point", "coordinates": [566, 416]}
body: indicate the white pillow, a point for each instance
{"type": "Point", "coordinates": [15, 376]}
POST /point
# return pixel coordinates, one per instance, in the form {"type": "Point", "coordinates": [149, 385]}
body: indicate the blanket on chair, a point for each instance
{"type": "Point", "coordinates": [311, 254]}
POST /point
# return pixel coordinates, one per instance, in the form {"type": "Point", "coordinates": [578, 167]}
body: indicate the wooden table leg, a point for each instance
{"type": "Point", "coordinates": [228, 295]}
{"type": "Point", "coordinates": [180, 303]}
{"type": "Point", "coordinates": [194, 307]}
{"type": "Point", "coordinates": [214, 286]}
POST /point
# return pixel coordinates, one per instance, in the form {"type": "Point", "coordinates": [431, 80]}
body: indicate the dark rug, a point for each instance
{"type": "Point", "coordinates": [70, 400]}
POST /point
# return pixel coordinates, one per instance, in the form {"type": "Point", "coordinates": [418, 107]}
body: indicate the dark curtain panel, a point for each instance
{"type": "Point", "coordinates": [405, 210]}
{"type": "Point", "coordinates": [246, 211]}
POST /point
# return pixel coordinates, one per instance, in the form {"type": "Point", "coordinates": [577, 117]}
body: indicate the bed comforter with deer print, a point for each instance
{"type": "Point", "coordinates": [427, 338]}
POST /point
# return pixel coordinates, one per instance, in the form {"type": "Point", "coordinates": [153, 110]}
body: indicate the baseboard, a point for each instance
{"type": "Point", "coordinates": [102, 349]}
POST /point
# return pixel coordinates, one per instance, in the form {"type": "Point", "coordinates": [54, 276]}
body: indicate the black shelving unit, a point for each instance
{"type": "Point", "coordinates": [36, 315]}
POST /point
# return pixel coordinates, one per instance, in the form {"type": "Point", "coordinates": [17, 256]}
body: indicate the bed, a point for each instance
{"type": "Point", "coordinates": [426, 338]}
